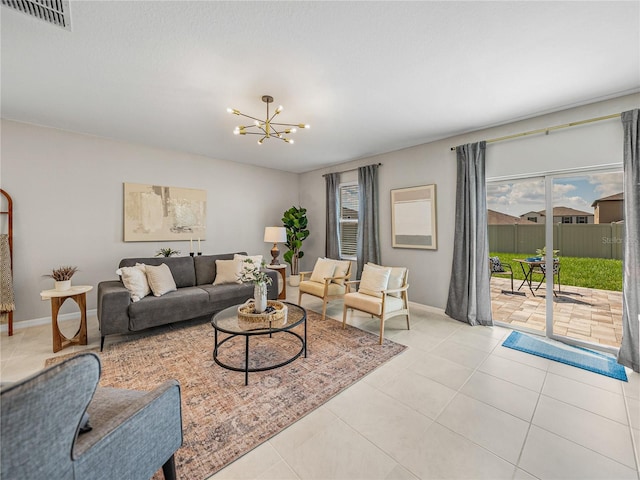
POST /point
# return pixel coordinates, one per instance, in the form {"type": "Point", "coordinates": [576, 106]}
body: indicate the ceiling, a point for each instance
{"type": "Point", "coordinates": [369, 77]}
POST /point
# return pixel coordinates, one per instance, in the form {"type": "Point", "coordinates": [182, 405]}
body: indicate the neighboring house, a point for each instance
{"type": "Point", "coordinates": [499, 218]}
{"type": "Point", "coordinates": [609, 209]}
{"type": "Point", "coordinates": [560, 215]}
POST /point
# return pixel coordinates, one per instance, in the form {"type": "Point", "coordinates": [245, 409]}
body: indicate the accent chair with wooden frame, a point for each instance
{"type": "Point", "coordinates": [383, 298]}
{"type": "Point", "coordinates": [324, 282]}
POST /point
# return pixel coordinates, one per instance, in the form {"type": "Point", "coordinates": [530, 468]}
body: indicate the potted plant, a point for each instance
{"type": "Point", "coordinates": [542, 252]}
{"type": "Point", "coordinates": [62, 276]}
{"type": "Point", "coordinates": [253, 273]}
{"type": "Point", "coordinates": [295, 221]}
{"type": "Point", "coordinates": [167, 252]}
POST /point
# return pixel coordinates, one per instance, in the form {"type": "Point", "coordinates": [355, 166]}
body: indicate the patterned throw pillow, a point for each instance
{"type": "Point", "coordinates": [496, 266]}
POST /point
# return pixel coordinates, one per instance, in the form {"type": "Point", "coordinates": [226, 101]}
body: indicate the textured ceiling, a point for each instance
{"type": "Point", "coordinates": [370, 77]}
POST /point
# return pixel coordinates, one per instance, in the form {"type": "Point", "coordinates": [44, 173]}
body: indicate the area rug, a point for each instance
{"type": "Point", "coordinates": [222, 418]}
{"type": "Point", "coordinates": [578, 357]}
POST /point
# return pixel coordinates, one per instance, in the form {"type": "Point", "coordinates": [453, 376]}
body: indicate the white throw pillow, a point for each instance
{"type": "Point", "coordinates": [324, 268]}
{"type": "Point", "coordinates": [256, 259]}
{"type": "Point", "coordinates": [341, 270]}
{"type": "Point", "coordinates": [135, 280]}
{"type": "Point", "coordinates": [396, 278]}
{"type": "Point", "coordinates": [227, 271]}
{"type": "Point", "coordinates": [374, 280]}
{"type": "Point", "coordinates": [160, 279]}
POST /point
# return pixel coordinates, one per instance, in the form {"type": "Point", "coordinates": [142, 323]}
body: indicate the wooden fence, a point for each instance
{"type": "Point", "coordinates": [573, 240]}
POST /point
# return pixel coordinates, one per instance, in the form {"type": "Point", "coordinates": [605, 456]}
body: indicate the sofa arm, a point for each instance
{"type": "Point", "coordinates": [133, 434]}
{"type": "Point", "coordinates": [113, 307]}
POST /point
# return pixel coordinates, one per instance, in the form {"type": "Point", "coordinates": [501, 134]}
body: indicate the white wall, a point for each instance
{"type": "Point", "coordinates": [68, 189]}
{"type": "Point", "coordinates": [434, 162]}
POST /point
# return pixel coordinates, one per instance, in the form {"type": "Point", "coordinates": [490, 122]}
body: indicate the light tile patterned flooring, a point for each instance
{"type": "Point", "coordinates": [581, 313]}
{"type": "Point", "coordinates": [455, 404]}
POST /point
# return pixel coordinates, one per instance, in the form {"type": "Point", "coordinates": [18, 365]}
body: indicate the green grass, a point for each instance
{"type": "Point", "coordinates": [600, 273]}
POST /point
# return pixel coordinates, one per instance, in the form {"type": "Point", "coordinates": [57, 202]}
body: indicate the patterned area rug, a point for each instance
{"type": "Point", "coordinates": [222, 418]}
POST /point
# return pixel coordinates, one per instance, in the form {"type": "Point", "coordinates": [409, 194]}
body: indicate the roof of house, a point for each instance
{"type": "Point", "coordinates": [499, 218]}
{"type": "Point", "coordinates": [610, 198]}
{"type": "Point", "coordinates": [560, 212]}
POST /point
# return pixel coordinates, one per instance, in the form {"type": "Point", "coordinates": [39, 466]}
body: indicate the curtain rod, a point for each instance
{"type": "Point", "coordinates": [352, 169]}
{"type": "Point", "coordinates": [548, 129]}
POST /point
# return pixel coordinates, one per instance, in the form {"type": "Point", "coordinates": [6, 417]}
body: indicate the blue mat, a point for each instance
{"type": "Point", "coordinates": [559, 352]}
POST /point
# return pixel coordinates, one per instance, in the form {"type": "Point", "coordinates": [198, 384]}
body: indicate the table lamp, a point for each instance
{"type": "Point", "coordinates": [275, 235]}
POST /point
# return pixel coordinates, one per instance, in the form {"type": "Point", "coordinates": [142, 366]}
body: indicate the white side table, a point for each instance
{"type": "Point", "coordinates": [78, 294]}
{"type": "Point", "coordinates": [282, 284]}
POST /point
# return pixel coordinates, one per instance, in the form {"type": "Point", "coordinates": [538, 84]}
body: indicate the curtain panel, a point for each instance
{"type": "Point", "coordinates": [368, 241]}
{"type": "Point", "coordinates": [629, 354]}
{"type": "Point", "coordinates": [332, 240]}
{"type": "Point", "coordinates": [469, 291]}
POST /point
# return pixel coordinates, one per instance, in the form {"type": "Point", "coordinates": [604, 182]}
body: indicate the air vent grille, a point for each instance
{"type": "Point", "coordinates": [55, 12]}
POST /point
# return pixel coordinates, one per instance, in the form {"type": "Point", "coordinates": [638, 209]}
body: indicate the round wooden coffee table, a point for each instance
{"type": "Point", "coordinates": [227, 322]}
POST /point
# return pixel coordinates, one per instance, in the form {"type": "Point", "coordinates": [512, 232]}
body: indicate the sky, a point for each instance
{"type": "Point", "coordinates": [579, 192]}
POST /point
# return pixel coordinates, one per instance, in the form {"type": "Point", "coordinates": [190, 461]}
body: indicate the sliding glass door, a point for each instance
{"type": "Point", "coordinates": [561, 237]}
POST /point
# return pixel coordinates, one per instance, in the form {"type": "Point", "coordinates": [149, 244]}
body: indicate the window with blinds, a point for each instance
{"type": "Point", "coordinates": [348, 225]}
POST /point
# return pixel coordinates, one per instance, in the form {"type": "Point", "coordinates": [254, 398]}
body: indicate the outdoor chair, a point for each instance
{"type": "Point", "coordinates": [46, 434]}
{"type": "Point", "coordinates": [496, 267]}
{"type": "Point", "coordinates": [382, 293]}
{"type": "Point", "coordinates": [326, 281]}
{"type": "Point", "coordinates": [542, 269]}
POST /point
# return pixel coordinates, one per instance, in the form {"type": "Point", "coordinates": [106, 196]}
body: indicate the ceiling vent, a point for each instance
{"type": "Point", "coordinates": [55, 12]}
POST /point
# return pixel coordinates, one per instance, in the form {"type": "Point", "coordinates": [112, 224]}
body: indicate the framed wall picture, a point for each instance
{"type": "Point", "coordinates": [157, 213]}
{"type": "Point", "coordinates": [413, 217]}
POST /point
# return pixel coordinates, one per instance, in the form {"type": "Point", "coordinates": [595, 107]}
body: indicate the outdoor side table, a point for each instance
{"type": "Point", "coordinates": [79, 295]}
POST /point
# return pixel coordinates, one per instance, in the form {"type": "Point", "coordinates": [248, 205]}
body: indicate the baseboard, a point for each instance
{"type": "Point", "coordinates": [46, 320]}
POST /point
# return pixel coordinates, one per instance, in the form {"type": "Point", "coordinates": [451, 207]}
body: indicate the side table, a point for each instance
{"type": "Point", "coordinates": [78, 294]}
{"type": "Point", "coordinates": [282, 269]}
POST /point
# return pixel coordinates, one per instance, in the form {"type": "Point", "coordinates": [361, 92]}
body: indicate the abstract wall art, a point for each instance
{"type": "Point", "coordinates": [413, 217]}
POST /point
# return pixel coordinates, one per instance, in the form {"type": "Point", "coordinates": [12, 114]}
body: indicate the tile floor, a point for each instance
{"type": "Point", "coordinates": [455, 404]}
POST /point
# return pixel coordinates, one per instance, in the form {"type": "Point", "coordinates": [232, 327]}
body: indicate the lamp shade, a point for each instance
{"type": "Point", "coordinates": [275, 234]}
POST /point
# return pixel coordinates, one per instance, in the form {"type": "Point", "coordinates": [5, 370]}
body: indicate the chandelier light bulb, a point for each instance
{"type": "Point", "coordinates": [266, 128]}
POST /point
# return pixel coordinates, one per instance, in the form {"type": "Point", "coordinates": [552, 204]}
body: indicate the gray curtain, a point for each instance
{"type": "Point", "coordinates": [469, 294]}
{"type": "Point", "coordinates": [629, 354]}
{"type": "Point", "coordinates": [368, 244]}
{"type": "Point", "coordinates": [332, 241]}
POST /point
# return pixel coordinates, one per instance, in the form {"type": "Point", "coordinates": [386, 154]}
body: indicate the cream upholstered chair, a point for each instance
{"type": "Point", "coordinates": [326, 281]}
{"type": "Point", "coordinates": [382, 293]}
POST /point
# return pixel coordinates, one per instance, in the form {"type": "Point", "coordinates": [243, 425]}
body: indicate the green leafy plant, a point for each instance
{"type": "Point", "coordinates": [167, 252]}
{"type": "Point", "coordinates": [62, 273]}
{"type": "Point", "coordinates": [253, 273]}
{"type": "Point", "coordinates": [542, 252]}
{"type": "Point", "coordinates": [295, 221]}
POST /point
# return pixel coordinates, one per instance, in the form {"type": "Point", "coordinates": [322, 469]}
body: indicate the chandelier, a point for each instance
{"type": "Point", "coordinates": [267, 128]}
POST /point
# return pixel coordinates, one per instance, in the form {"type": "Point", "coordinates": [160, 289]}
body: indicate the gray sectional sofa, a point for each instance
{"type": "Point", "coordinates": [195, 297]}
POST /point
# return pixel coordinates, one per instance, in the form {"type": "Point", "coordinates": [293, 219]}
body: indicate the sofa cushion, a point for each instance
{"type": "Point", "coordinates": [182, 268]}
{"type": "Point", "coordinates": [160, 279]}
{"type": "Point", "coordinates": [317, 289]}
{"type": "Point", "coordinates": [230, 292]}
{"type": "Point", "coordinates": [227, 271]}
{"type": "Point", "coordinates": [135, 280]}
{"type": "Point", "coordinates": [373, 305]}
{"type": "Point", "coordinates": [205, 266]}
{"type": "Point", "coordinates": [183, 304]}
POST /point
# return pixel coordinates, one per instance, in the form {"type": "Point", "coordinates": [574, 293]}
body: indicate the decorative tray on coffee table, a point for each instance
{"type": "Point", "coordinates": [274, 316]}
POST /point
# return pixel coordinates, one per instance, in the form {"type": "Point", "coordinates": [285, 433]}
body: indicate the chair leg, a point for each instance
{"type": "Point", "coordinates": [324, 308]}
{"type": "Point", "coordinates": [169, 469]}
{"type": "Point", "coordinates": [344, 316]}
{"type": "Point", "coordinates": [408, 326]}
{"type": "Point", "coordinates": [299, 297]}
{"type": "Point", "coordinates": [381, 330]}
{"type": "Point", "coordinates": [512, 291]}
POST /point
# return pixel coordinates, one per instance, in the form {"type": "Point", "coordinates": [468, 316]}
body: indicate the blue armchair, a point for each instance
{"type": "Point", "coordinates": [133, 433]}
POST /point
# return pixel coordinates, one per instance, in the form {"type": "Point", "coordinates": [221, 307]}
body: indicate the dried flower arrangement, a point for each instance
{"type": "Point", "coordinates": [63, 273]}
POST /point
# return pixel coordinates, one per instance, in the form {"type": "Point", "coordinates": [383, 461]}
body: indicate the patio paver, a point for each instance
{"type": "Point", "coordinates": [582, 313]}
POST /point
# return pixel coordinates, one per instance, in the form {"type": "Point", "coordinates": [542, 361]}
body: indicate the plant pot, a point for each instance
{"type": "Point", "coordinates": [294, 280]}
{"type": "Point", "coordinates": [62, 285]}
